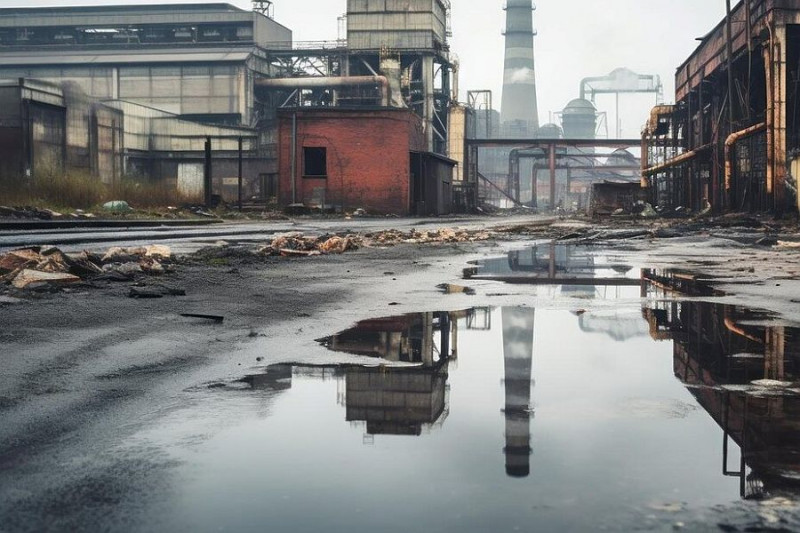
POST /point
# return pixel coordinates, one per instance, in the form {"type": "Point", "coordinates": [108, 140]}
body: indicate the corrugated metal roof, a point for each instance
{"type": "Point", "coordinates": [127, 57]}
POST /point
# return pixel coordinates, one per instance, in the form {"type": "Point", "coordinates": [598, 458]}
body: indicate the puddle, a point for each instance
{"type": "Point", "coordinates": [506, 419]}
{"type": "Point", "coordinates": [555, 264]}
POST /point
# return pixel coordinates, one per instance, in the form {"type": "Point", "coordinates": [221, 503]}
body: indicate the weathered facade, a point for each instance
{"type": "Point", "coordinates": [373, 159]}
{"type": "Point", "coordinates": [142, 88]}
{"type": "Point", "coordinates": [198, 61]}
{"type": "Point", "coordinates": [732, 137]}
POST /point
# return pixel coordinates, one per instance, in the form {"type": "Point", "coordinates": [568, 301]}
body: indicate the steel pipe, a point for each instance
{"type": "Point", "coordinates": [730, 142]}
{"type": "Point", "coordinates": [675, 161]}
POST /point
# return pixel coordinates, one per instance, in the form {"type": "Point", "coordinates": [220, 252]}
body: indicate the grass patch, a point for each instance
{"type": "Point", "coordinates": [77, 190]}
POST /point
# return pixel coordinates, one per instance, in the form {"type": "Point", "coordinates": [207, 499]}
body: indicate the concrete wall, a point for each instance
{"type": "Point", "coordinates": [368, 157]}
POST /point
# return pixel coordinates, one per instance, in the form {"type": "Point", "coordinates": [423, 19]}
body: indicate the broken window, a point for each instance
{"type": "Point", "coordinates": [315, 162]}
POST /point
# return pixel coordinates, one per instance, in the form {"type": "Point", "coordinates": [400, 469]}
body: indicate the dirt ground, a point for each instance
{"type": "Point", "coordinates": [86, 369]}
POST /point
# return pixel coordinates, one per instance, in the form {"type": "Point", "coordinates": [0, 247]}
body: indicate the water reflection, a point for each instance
{"type": "Point", "coordinates": [404, 400]}
{"type": "Point", "coordinates": [570, 266]}
{"type": "Point", "coordinates": [742, 367]}
{"type": "Point", "coordinates": [518, 328]}
{"type": "Point", "coordinates": [609, 410]}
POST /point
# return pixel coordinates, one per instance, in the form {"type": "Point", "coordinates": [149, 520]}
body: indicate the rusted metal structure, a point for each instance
{"type": "Point", "coordinates": [619, 82]}
{"type": "Point", "coordinates": [732, 139]}
{"type": "Point", "coordinates": [393, 56]}
{"type": "Point", "coordinates": [719, 352]}
{"type": "Point", "coordinates": [550, 150]}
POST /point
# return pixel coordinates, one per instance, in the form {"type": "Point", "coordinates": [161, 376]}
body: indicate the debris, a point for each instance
{"type": "Point", "coordinates": [29, 277]}
{"type": "Point", "coordinates": [648, 211]}
{"type": "Point", "coordinates": [145, 293]}
{"type": "Point", "coordinates": [214, 318]}
{"type": "Point", "coordinates": [288, 252]}
{"type": "Point", "coordinates": [767, 241]}
{"type": "Point", "coordinates": [119, 254]}
{"type": "Point", "coordinates": [13, 262]}
{"type": "Point", "coordinates": [336, 245]}
{"type": "Point", "coordinates": [707, 209]}
{"type": "Point", "coordinates": [114, 276]}
{"type": "Point", "coordinates": [360, 212]}
{"type": "Point", "coordinates": [156, 291]}
{"type": "Point", "coordinates": [788, 245]}
{"type": "Point", "coordinates": [81, 214]}
{"type": "Point", "coordinates": [117, 206]}
{"type": "Point", "coordinates": [127, 269]}
{"type": "Point", "coordinates": [151, 266]}
{"type": "Point", "coordinates": [29, 212]}
{"type": "Point", "coordinates": [450, 288]}
{"type": "Point", "coordinates": [158, 250]}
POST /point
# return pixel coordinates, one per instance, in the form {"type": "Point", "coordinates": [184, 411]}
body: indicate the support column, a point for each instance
{"type": "Point", "coordinates": [427, 340]}
{"type": "Point", "coordinates": [552, 149]}
{"type": "Point", "coordinates": [780, 140]}
{"type": "Point", "coordinates": [428, 114]}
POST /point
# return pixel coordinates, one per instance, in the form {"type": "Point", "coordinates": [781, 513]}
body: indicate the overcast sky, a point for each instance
{"type": "Point", "coordinates": [577, 38]}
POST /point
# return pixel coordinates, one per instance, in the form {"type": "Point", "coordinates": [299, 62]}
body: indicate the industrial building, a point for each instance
{"type": "Point", "coordinates": [731, 140]}
{"type": "Point", "coordinates": [198, 94]}
{"type": "Point", "coordinates": [142, 90]}
{"type": "Point", "coordinates": [197, 61]}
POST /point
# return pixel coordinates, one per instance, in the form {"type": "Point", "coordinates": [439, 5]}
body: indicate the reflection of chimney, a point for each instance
{"type": "Point", "coordinates": [518, 357]}
{"type": "Point", "coordinates": [519, 109]}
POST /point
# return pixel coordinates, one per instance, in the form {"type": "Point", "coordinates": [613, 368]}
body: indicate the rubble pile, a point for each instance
{"type": "Point", "coordinates": [26, 212]}
{"type": "Point", "coordinates": [39, 266]}
{"type": "Point", "coordinates": [296, 244]}
{"type": "Point", "coordinates": [447, 235]}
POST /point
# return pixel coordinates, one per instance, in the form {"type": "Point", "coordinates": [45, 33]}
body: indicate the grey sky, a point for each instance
{"type": "Point", "coordinates": [577, 38]}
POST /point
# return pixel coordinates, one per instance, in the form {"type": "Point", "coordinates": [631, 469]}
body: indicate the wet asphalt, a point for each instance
{"type": "Point", "coordinates": [90, 375]}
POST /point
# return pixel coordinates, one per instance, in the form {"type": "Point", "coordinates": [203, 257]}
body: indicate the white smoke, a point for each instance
{"type": "Point", "coordinates": [521, 75]}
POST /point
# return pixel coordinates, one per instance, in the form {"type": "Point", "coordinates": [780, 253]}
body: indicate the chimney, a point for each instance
{"type": "Point", "coordinates": [518, 359]}
{"type": "Point", "coordinates": [519, 110]}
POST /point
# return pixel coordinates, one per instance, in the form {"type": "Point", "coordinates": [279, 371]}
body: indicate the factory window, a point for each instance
{"type": "Point", "coordinates": [315, 162]}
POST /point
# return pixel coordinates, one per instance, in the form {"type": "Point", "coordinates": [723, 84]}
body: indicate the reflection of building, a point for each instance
{"type": "Point", "coordinates": [721, 354]}
{"type": "Point", "coordinates": [548, 261]}
{"type": "Point", "coordinates": [399, 400]}
{"type": "Point", "coordinates": [574, 268]}
{"type": "Point", "coordinates": [518, 358]}
{"type": "Point", "coordinates": [275, 378]}
{"type": "Point", "coordinates": [396, 401]}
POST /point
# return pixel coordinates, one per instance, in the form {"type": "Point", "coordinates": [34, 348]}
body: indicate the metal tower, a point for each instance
{"type": "Point", "coordinates": [519, 113]}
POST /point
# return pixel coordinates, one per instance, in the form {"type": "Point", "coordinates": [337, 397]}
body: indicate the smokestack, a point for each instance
{"type": "Point", "coordinates": [518, 359]}
{"type": "Point", "coordinates": [519, 113]}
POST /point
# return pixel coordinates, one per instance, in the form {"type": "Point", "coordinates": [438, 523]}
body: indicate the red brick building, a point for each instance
{"type": "Point", "coordinates": [360, 158]}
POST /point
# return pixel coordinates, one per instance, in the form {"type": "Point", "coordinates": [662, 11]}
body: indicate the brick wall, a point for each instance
{"type": "Point", "coordinates": [368, 163]}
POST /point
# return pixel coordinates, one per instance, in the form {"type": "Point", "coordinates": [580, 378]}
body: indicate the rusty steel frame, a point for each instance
{"type": "Point", "coordinates": [741, 71]}
{"type": "Point", "coordinates": [549, 145]}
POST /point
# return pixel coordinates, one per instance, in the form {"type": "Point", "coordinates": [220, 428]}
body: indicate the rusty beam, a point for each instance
{"type": "Point", "coordinates": [559, 143]}
{"type": "Point", "coordinates": [675, 161]}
